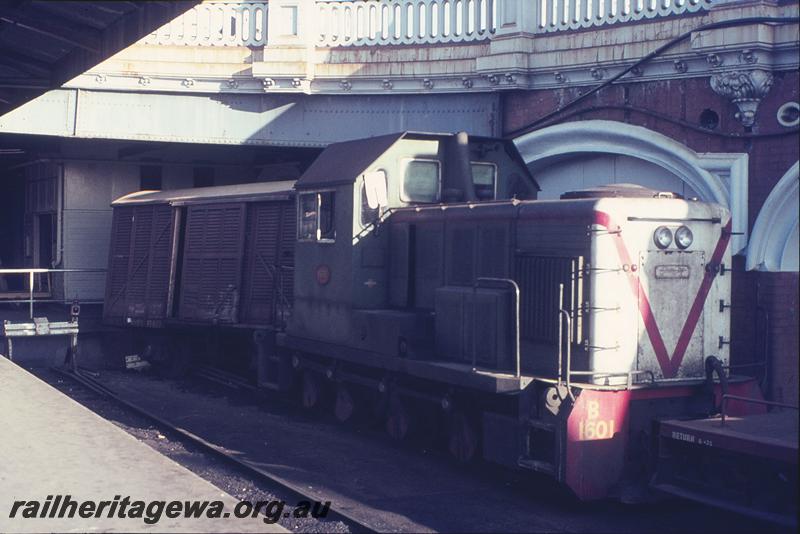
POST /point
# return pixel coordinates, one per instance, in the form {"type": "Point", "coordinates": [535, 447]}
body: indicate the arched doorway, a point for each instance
{"type": "Point", "coordinates": [774, 243]}
{"type": "Point", "coordinates": [585, 153]}
{"type": "Point", "coordinates": [582, 170]}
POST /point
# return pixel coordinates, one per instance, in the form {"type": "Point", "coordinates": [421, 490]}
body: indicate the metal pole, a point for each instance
{"type": "Point", "coordinates": [569, 353]}
{"type": "Point", "coordinates": [517, 340]}
{"type": "Point", "coordinates": [474, 323]}
{"type": "Point", "coordinates": [560, 331]}
{"type": "Point", "coordinates": [74, 352]}
{"type": "Point", "coordinates": [30, 284]}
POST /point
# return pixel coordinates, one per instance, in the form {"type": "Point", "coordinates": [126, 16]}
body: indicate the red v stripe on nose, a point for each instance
{"type": "Point", "coordinates": [669, 365]}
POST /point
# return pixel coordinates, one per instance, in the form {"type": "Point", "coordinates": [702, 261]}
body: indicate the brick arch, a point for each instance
{"type": "Point", "coordinates": [773, 246]}
{"type": "Point", "coordinates": [716, 177]}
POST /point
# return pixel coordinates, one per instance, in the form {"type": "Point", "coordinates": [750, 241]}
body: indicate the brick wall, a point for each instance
{"type": "Point", "coordinates": [778, 293]}
{"type": "Point", "coordinates": [673, 108]}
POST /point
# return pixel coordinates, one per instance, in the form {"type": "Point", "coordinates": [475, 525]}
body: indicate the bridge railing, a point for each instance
{"type": "Point", "coordinates": [333, 23]}
{"type": "Point", "coordinates": [559, 15]}
{"type": "Point", "coordinates": [397, 22]}
{"type": "Point", "coordinates": [226, 23]}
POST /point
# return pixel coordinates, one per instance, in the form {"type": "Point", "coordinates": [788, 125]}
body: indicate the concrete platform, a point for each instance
{"type": "Point", "coordinates": [50, 446]}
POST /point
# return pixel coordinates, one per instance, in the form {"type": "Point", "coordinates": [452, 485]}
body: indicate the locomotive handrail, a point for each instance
{"type": "Point", "coordinates": [565, 314]}
{"type": "Point", "coordinates": [602, 269]}
{"type": "Point", "coordinates": [628, 374]}
{"type": "Point", "coordinates": [374, 225]}
{"type": "Point", "coordinates": [562, 313]}
{"type": "Point", "coordinates": [727, 397]}
{"type": "Point", "coordinates": [515, 287]}
{"type": "Point", "coordinates": [31, 271]}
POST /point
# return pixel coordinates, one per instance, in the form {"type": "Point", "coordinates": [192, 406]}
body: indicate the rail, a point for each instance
{"type": "Point", "coordinates": [727, 397]}
{"type": "Point", "coordinates": [33, 271]}
{"type": "Point", "coordinates": [258, 470]}
{"type": "Point", "coordinates": [515, 287]}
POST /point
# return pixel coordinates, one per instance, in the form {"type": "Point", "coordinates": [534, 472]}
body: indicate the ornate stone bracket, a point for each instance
{"type": "Point", "coordinates": [745, 89]}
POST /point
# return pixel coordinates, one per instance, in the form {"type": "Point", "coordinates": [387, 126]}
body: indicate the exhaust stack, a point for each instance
{"type": "Point", "coordinates": [458, 184]}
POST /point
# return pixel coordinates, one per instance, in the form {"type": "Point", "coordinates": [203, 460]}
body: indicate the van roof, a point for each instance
{"type": "Point", "coordinates": [239, 192]}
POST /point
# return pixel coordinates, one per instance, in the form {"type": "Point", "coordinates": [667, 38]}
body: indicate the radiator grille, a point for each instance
{"type": "Point", "coordinates": [539, 278]}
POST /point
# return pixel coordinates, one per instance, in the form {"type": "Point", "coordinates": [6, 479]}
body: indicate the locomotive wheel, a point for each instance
{"type": "Point", "coordinates": [345, 405]}
{"type": "Point", "coordinates": [398, 419]}
{"type": "Point", "coordinates": [462, 439]}
{"type": "Point", "coordinates": [310, 391]}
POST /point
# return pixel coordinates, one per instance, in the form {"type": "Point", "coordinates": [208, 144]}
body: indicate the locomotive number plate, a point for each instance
{"type": "Point", "coordinates": [672, 271]}
{"type": "Point", "coordinates": [594, 426]}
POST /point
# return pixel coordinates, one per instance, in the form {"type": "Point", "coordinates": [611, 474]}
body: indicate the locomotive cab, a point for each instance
{"type": "Point", "coordinates": [344, 264]}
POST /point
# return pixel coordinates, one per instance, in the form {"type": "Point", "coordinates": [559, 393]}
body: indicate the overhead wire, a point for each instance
{"type": "Point", "coordinates": [655, 53]}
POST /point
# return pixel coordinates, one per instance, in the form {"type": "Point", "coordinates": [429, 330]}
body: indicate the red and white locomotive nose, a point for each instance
{"type": "Point", "coordinates": [661, 263]}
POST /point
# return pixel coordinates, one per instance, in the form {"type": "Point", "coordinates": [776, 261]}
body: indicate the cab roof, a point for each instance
{"type": "Point", "coordinates": [342, 163]}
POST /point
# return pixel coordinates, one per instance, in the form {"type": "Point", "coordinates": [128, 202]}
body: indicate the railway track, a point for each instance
{"type": "Point", "coordinates": [84, 378]}
{"type": "Point", "coordinates": [375, 485]}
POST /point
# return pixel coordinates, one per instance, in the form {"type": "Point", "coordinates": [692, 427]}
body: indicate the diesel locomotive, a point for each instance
{"type": "Point", "coordinates": [416, 274]}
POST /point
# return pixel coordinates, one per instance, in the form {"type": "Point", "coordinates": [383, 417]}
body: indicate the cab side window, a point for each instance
{"type": "Point", "coordinates": [317, 216]}
{"type": "Point", "coordinates": [373, 196]}
{"type": "Point", "coordinates": [421, 180]}
{"type": "Point", "coordinates": [369, 213]}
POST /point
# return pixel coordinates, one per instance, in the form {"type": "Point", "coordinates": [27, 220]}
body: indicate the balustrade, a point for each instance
{"type": "Point", "coordinates": [401, 22]}
{"type": "Point", "coordinates": [216, 24]}
{"type": "Point", "coordinates": [559, 15]}
{"type": "Point", "coordinates": [393, 22]}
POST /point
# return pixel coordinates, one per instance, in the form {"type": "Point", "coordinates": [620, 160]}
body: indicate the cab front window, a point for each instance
{"type": "Point", "coordinates": [421, 180]}
{"type": "Point", "coordinates": [484, 179]}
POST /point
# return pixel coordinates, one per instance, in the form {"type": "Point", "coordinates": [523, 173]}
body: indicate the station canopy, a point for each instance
{"type": "Point", "coordinates": [45, 43]}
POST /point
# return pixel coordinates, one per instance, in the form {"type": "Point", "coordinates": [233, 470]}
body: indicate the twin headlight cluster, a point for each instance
{"type": "Point", "coordinates": [663, 237]}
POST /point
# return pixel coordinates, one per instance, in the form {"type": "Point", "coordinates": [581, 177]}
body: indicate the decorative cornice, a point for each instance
{"type": "Point", "coordinates": [745, 89]}
{"type": "Point", "coordinates": [720, 62]}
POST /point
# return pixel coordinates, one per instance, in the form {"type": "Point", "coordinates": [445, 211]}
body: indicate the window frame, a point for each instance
{"type": "Point", "coordinates": [494, 185]}
{"type": "Point", "coordinates": [404, 165]}
{"type": "Point", "coordinates": [318, 194]}
{"type": "Point", "coordinates": [362, 196]}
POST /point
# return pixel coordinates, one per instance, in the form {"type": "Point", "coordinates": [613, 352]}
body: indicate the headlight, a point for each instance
{"type": "Point", "coordinates": [662, 237]}
{"type": "Point", "coordinates": [683, 237]}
